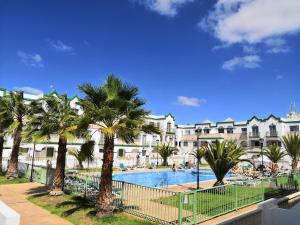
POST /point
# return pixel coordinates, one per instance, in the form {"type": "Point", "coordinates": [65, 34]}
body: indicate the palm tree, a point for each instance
{"type": "Point", "coordinates": [56, 118]}
{"type": "Point", "coordinates": [165, 151]}
{"type": "Point", "coordinates": [222, 157]}
{"type": "Point", "coordinates": [274, 153]}
{"type": "Point", "coordinates": [113, 109]}
{"type": "Point", "coordinates": [16, 109]}
{"type": "Point", "coordinates": [291, 143]}
{"type": "Point", "coordinates": [198, 154]}
{"type": "Point", "coordinates": [86, 153]}
{"type": "Point", "coordinates": [5, 122]}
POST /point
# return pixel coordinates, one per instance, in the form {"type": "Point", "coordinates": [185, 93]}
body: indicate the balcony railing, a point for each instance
{"type": "Point", "coordinates": [170, 130]}
{"type": "Point", "coordinates": [272, 134]}
{"type": "Point", "coordinates": [254, 135]}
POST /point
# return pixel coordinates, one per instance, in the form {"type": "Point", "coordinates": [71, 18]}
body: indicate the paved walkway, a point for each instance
{"type": "Point", "coordinates": [14, 195]}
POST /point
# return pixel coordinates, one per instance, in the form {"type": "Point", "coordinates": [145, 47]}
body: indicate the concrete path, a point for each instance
{"type": "Point", "coordinates": [14, 195]}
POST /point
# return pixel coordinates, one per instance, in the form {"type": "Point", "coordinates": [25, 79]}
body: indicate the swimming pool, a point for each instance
{"type": "Point", "coordinates": [165, 177]}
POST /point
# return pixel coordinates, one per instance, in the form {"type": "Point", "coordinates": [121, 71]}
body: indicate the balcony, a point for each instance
{"type": "Point", "coordinates": [271, 134]}
{"type": "Point", "coordinates": [170, 131]}
{"type": "Point", "coordinates": [254, 135]}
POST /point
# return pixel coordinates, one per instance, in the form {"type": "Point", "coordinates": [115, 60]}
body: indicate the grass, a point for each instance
{"type": "Point", "coordinates": [20, 180]}
{"type": "Point", "coordinates": [81, 212]}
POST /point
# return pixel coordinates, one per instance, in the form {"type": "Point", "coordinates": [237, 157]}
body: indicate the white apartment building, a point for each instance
{"type": "Point", "coordinates": [253, 133]}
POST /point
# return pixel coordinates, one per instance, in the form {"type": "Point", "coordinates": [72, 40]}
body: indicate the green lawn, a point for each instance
{"type": "Point", "coordinates": [80, 212]}
{"type": "Point", "coordinates": [3, 180]}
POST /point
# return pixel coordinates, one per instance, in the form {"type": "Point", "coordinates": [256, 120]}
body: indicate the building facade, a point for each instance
{"type": "Point", "coordinates": [253, 133]}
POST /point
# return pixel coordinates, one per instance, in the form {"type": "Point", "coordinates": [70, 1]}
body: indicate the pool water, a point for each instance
{"type": "Point", "coordinates": [165, 177]}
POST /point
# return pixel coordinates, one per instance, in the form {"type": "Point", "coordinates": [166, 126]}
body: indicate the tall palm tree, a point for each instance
{"type": "Point", "coordinates": [86, 152]}
{"type": "Point", "coordinates": [274, 153]}
{"type": "Point", "coordinates": [198, 154]}
{"type": "Point", "coordinates": [56, 118]}
{"type": "Point", "coordinates": [5, 121]}
{"type": "Point", "coordinates": [16, 109]}
{"type": "Point", "coordinates": [291, 143]}
{"type": "Point", "coordinates": [222, 157]}
{"type": "Point", "coordinates": [165, 151]}
{"type": "Point", "coordinates": [113, 109]}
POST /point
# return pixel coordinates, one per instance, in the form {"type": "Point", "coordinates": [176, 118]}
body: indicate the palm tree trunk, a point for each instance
{"type": "Point", "coordinates": [165, 162]}
{"type": "Point", "coordinates": [12, 171]}
{"type": "Point", "coordinates": [1, 151]}
{"type": "Point", "coordinates": [58, 181]}
{"type": "Point", "coordinates": [104, 203]}
{"type": "Point", "coordinates": [80, 165]}
{"type": "Point", "coordinates": [294, 165]}
{"type": "Point", "coordinates": [219, 183]}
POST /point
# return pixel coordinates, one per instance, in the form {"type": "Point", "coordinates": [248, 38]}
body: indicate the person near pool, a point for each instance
{"type": "Point", "coordinates": [173, 167]}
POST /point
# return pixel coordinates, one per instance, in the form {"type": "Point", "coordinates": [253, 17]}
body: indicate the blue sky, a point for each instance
{"type": "Point", "coordinates": [197, 59]}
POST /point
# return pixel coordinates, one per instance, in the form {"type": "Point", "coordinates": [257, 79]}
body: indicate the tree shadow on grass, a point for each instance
{"type": "Point", "coordinates": [79, 203]}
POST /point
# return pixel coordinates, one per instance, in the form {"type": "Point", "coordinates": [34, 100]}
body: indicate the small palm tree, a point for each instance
{"type": "Point", "coordinates": [274, 153]}
{"type": "Point", "coordinates": [5, 121]}
{"type": "Point", "coordinates": [198, 154]}
{"type": "Point", "coordinates": [291, 143]}
{"type": "Point", "coordinates": [113, 109]}
{"type": "Point", "coordinates": [55, 117]}
{"type": "Point", "coordinates": [165, 151]}
{"type": "Point", "coordinates": [86, 153]}
{"type": "Point", "coordinates": [222, 157]}
{"type": "Point", "coordinates": [17, 110]}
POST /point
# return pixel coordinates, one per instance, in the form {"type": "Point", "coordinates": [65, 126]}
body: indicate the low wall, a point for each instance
{"type": "Point", "coordinates": [8, 216]}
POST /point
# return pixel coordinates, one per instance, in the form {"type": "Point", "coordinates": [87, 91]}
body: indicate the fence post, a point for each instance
{"type": "Point", "coordinates": [85, 187]}
{"type": "Point", "coordinates": [122, 194]}
{"type": "Point", "coordinates": [180, 208]}
{"type": "Point", "coordinates": [194, 206]}
{"type": "Point", "coordinates": [236, 197]}
{"type": "Point", "coordinates": [262, 189]}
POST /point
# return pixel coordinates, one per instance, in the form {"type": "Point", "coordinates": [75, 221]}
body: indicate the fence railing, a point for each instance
{"type": "Point", "coordinates": [186, 208]}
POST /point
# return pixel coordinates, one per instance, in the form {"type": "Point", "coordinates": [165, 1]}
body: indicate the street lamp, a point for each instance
{"type": "Point", "coordinates": [261, 142]}
{"type": "Point", "coordinates": [157, 141]}
{"type": "Point", "coordinates": [32, 162]}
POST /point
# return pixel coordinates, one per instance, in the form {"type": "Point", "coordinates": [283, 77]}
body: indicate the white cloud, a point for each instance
{"type": "Point", "coordinates": [30, 60]}
{"type": "Point", "coordinates": [30, 90]}
{"type": "Point", "coordinates": [164, 7]}
{"type": "Point", "coordinates": [248, 49]}
{"type": "Point", "coordinates": [252, 21]}
{"type": "Point", "coordinates": [249, 62]}
{"type": "Point", "coordinates": [195, 102]}
{"type": "Point", "coordinates": [276, 45]}
{"type": "Point", "coordinates": [60, 46]}
{"type": "Point", "coordinates": [279, 77]}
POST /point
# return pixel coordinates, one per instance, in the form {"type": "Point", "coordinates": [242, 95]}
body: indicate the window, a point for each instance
{"type": "Point", "coordinates": [273, 131]}
{"type": "Point", "coordinates": [158, 124]}
{"type": "Point", "coordinates": [151, 123]}
{"type": "Point", "coordinates": [255, 131]}
{"type": "Point", "coordinates": [121, 152]}
{"type": "Point", "coordinates": [187, 132]}
{"type": "Point", "coordinates": [100, 150]}
{"type": "Point", "coordinates": [195, 143]}
{"type": "Point", "coordinates": [144, 152]}
{"type": "Point", "coordinates": [50, 152]}
{"type": "Point", "coordinates": [221, 130]}
{"type": "Point", "coordinates": [206, 131]}
{"type": "Point", "coordinates": [294, 128]}
{"type": "Point", "coordinates": [185, 143]}
{"type": "Point", "coordinates": [198, 131]}
{"type": "Point", "coordinates": [229, 130]}
{"type": "Point", "coordinates": [144, 140]}
{"type": "Point", "coordinates": [244, 130]}
{"type": "Point", "coordinates": [179, 143]}
{"type": "Point", "coordinates": [168, 126]}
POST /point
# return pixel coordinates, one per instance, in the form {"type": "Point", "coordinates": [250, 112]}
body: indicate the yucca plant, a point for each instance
{"type": "Point", "coordinates": [113, 108]}
{"type": "Point", "coordinates": [222, 157]}
{"type": "Point", "coordinates": [86, 153]}
{"type": "Point", "coordinates": [165, 151]}
{"type": "Point", "coordinates": [291, 144]}
{"type": "Point", "coordinates": [198, 154]}
{"type": "Point", "coordinates": [274, 153]}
